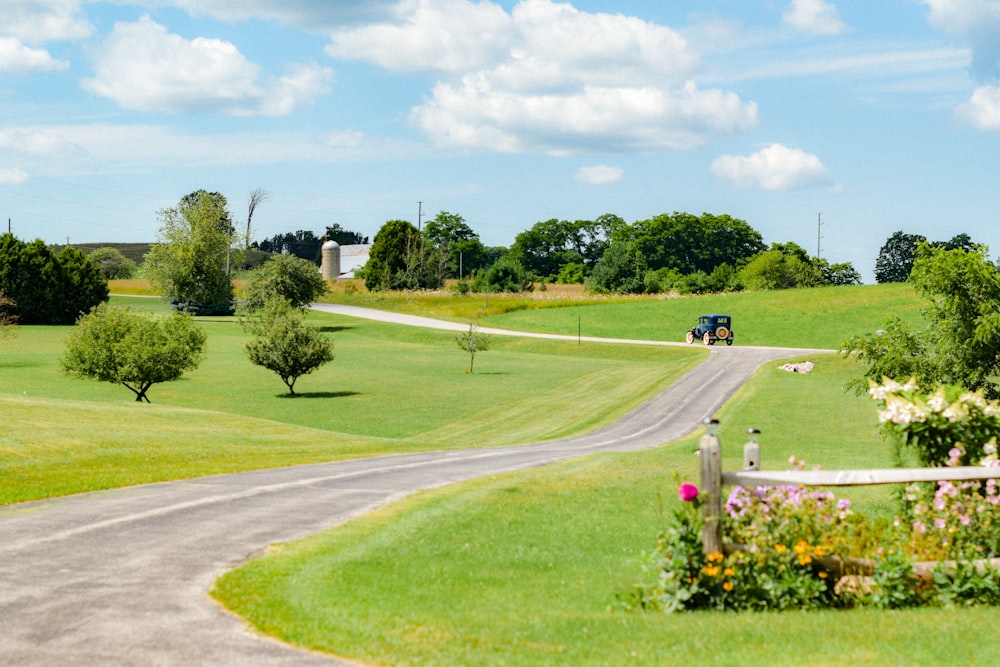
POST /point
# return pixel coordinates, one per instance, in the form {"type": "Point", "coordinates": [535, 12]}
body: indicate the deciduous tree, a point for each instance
{"type": "Point", "coordinates": [189, 262]}
{"type": "Point", "coordinates": [473, 341]}
{"type": "Point", "coordinates": [282, 342]}
{"type": "Point", "coordinates": [113, 264]}
{"type": "Point", "coordinates": [961, 342]}
{"type": "Point", "coordinates": [286, 276]}
{"type": "Point", "coordinates": [895, 258]}
{"type": "Point", "coordinates": [115, 344]}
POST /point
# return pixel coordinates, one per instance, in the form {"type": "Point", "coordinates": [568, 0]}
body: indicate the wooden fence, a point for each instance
{"type": "Point", "coordinates": [713, 479]}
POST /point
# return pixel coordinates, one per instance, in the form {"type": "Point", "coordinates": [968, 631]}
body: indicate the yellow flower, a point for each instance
{"type": "Point", "coordinates": [710, 570]}
{"type": "Point", "coordinates": [822, 574]}
{"type": "Point", "coordinates": [728, 572]}
{"type": "Point", "coordinates": [780, 548]}
{"type": "Point", "coordinates": [715, 557]}
{"type": "Point", "coordinates": [805, 559]}
{"type": "Point", "coordinates": [819, 551]}
{"type": "Point", "coordinates": [728, 586]}
{"type": "Point", "coordinates": [801, 547]}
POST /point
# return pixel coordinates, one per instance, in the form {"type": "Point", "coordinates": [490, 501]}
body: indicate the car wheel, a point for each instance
{"type": "Point", "coordinates": [689, 337]}
{"type": "Point", "coordinates": [729, 341]}
{"type": "Point", "coordinates": [722, 333]}
{"type": "Point", "coordinates": [707, 338]}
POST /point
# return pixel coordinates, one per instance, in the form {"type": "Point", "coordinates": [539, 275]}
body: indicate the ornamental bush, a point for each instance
{"type": "Point", "coordinates": [48, 288]}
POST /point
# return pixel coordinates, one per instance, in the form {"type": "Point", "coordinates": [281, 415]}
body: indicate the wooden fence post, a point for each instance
{"type": "Point", "coordinates": [711, 486]}
{"type": "Point", "coordinates": [751, 451]}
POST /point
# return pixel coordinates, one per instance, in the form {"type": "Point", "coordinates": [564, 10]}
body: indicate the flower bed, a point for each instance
{"type": "Point", "coordinates": [794, 547]}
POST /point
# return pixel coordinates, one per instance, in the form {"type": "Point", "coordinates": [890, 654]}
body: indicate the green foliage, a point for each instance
{"type": "Point", "coordinates": [48, 288]}
{"type": "Point", "coordinates": [293, 279]}
{"type": "Point", "coordinates": [783, 533]}
{"type": "Point", "coordinates": [8, 318]}
{"type": "Point", "coordinates": [84, 286]}
{"type": "Point", "coordinates": [113, 264]}
{"type": "Point", "coordinates": [115, 344]}
{"type": "Point", "coordinates": [550, 245]}
{"type": "Point", "coordinates": [961, 344]}
{"type": "Point", "coordinates": [572, 273]}
{"type": "Point", "coordinates": [895, 258]}
{"type": "Point", "coordinates": [190, 261]}
{"type": "Point", "coordinates": [459, 246]}
{"type": "Point", "coordinates": [691, 243]}
{"type": "Point", "coordinates": [343, 236]}
{"type": "Point", "coordinates": [841, 273]}
{"type": "Point", "coordinates": [284, 343]}
{"type": "Point", "coordinates": [473, 341]}
{"type": "Point", "coordinates": [892, 352]}
{"type": "Point", "coordinates": [302, 243]}
{"type": "Point", "coordinates": [401, 259]}
{"type": "Point", "coordinates": [621, 270]}
{"type": "Point", "coordinates": [506, 275]}
{"type": "Point", "coordinates": [778, 269]}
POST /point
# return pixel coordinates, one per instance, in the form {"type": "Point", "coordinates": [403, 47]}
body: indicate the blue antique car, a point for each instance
{"type": "Point", "coordinates": [711, 328]}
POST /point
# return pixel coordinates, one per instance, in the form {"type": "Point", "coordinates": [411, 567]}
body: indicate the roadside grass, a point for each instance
{"type": "Point", "coordinates": [522, 568]}
{"type": "Point", "coordinates": [817, 317]}
{"type": "Point", "coordinates": [390, 390]}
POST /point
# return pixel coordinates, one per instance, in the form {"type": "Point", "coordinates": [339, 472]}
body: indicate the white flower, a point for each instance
{"type": "Point", "coordinates": [937, 401]}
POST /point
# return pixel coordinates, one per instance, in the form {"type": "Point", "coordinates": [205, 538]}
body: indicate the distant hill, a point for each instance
{"type": "Point", "coordinates": [134, 251]}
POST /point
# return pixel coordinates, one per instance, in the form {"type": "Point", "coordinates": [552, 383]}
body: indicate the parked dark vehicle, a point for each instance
{"type": "Point", "coordinates": [711, 328]}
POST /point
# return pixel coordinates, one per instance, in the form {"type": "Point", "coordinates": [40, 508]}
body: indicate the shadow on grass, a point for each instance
{"type": "Point", "coordinates": [319, 394]}
{"type": "Point", "coordinates": [334, 329]}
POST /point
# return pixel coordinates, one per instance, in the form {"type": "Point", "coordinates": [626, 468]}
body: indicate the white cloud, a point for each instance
{"type": "Point", "coordinates": [17, 58]}
{"type": "Point", "coordinates": [599, 174]}
{"type": "Point", "coordinates": [474, 114]}
{"type": "Point", "coordinates": [776, 167]}
{"type": "Point", "coordinates": [976, 22]}
{"type": "Point", "coordinates": [12, 175]}
{"type": "Point", "coordinates": [40, 21]}
{"type": "Point", "coordinates": [81, 147]}
{"type": "Point", "coordinates": [983, 108]}
{"type": "Point", "coordinates": [815, 17]}
{"type": "Point", "coordinates": [302, 83]}
{"type": "Point", "coordinates": [548, 77]}
{"type": "Point", "coordinates": [145, 68]}
{"type": "Point", "coordinates": [446, 35]}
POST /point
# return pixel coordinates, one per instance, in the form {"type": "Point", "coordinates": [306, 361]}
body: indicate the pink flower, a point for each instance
{"type": "Point", "coordinates": [687, 492]}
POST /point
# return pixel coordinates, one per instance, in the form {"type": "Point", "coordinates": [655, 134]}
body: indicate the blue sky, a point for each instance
{"type": "Point", "coordinates": [878, 115]}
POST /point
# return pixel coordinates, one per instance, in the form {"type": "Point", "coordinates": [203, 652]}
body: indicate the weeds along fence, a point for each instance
{"type": "Point", "coordinates": [713, 479]}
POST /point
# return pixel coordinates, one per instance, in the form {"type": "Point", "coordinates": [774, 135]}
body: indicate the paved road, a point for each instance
{"type": "Point", "coordinates": [121, 577]}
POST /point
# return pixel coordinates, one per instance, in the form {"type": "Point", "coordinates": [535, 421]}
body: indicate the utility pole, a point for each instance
{"type": "Point", "coordinates": [819, 235]}
{"type": "Point", "coordinates": [420, 214]}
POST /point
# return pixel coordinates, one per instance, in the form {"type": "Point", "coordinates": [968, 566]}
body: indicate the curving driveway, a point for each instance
{"type": "Point", "coordinates": [121, 577]}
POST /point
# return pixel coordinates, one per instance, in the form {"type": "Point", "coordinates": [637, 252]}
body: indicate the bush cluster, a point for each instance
{"type": "Point", "coordinates": [48, 288]}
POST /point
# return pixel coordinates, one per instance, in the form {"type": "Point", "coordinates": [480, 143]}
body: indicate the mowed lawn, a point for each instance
{"type": "Point", "coordinates": [822, 317]}
{"type": "Point", "coordinates": [390, 390]}
{"type": "Point", "coordinates": [524, 568]}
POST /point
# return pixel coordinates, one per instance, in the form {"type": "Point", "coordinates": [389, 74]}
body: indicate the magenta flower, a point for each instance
{"type": "Point", "coordinates": [687, 492]}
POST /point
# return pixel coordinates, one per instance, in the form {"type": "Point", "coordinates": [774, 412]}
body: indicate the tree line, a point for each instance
{"type": "Point", "coordinates": [669, 252]}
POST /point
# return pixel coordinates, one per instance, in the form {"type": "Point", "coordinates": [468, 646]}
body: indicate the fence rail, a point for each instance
{"type": "Point", "coordinates": [713, 479]}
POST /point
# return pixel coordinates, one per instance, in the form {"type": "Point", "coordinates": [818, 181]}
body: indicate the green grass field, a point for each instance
{"type": "Point", "coordinates": [817, 317]}
{"type": "Point", "coordinates": [521, 568]}
{"type": "Point", "coordinates": [389, 390]}
{"type": "Point", "coordinates": [516, 569]}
